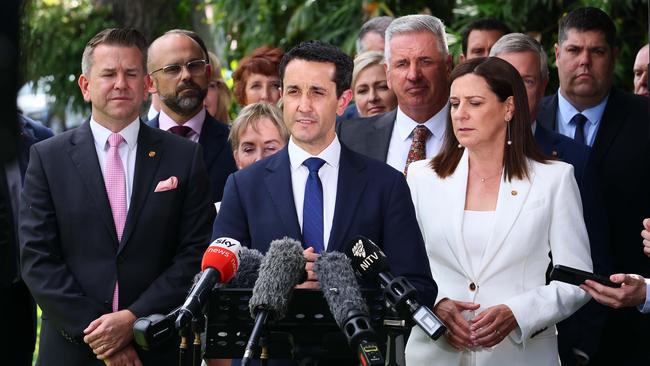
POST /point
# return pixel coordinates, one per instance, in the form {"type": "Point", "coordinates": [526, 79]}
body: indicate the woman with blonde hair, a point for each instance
{"type": "Point", "coordinates": [217, 100]}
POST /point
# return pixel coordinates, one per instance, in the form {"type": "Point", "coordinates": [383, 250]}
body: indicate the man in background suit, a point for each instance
{"type": "Point", "coordinates": [418, 64]}
{"type": "Point", "coordinates": [480, 36]}
{"type": "Point", "coordinates": [179, 67]}
{"type": "Point", "coordinates": [114, 217]}
{"type": "Point", "coordinates": [275, 197]}
{"type": "Point", "coordinates": [640, 69]}
{"type": "Point", "coordinates": [17, 301]}
{"type": "Point", "coordinates": [578, 335]}
{"type": "Point", "coordinates": [615, 124]}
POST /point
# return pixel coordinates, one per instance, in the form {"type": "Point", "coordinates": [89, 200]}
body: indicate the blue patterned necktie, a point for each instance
{"type": "Point", "coordinates": [312, 209]}
{"type": "Point", "coordinates": [579, 120]}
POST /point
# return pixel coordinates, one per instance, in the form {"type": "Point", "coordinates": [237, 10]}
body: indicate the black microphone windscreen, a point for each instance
{"type": "Point", "coordinates": [367, 258]}
{"type": "Point", "coordinates": [246, 275]}
{"type": "Point", "coordinates": [282, 268]}
{"type": "Point", "coordinates": [339, 285]}
{"type": "Point", "coordinates": [248, 271]}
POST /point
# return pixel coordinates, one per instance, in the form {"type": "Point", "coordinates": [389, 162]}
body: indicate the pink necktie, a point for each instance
{"type": "Point", "coordinates": [115, 181]}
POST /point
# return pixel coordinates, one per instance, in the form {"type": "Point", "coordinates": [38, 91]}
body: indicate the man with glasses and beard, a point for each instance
{"type": "Point", "coordinates": [179, 68]}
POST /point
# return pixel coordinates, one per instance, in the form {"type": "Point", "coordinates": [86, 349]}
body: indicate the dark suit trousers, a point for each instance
{"type": "Point", "coordinates": [19, 321]}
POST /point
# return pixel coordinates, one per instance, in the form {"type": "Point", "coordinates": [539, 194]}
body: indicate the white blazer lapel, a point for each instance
{"type": "Point", "coordinates": [456, 194]}
{"type": "Point", "coordinates": [511, 199]}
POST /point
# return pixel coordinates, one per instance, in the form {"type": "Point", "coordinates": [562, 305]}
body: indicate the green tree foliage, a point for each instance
{"type": "Point", "coordinates": [53, 39]}
{"type": "Point", "coordinates": [55, 32]}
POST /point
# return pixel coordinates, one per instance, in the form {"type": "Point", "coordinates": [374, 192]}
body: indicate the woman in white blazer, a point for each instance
{"type": "Point", "coordinates": [492, 210]}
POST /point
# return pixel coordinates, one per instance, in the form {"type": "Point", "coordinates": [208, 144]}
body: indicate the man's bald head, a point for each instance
{"type": "Point", "coordinates": [154, 49]}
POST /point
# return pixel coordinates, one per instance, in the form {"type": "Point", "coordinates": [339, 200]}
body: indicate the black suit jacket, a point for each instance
{"type": "Point", "coordinates": [621, 159]}
{"type": "Point", "coordinates": [69, 250]}
{"type": "Point", "coordinates": [368, 136]}
{"type": "Point", "coordinates": [216, 152]}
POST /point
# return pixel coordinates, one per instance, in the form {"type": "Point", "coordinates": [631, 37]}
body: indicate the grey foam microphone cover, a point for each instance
{"type": "Point", "coordinates": [282, 268]}
{"type": "Point", "coordinates": [247, 272]}
{"type": "Point", "coordinates": [249, 266]}
{"type": "Point", "coordinates": [339, 285]}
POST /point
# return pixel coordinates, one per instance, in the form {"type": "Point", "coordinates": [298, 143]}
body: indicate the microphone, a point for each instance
{"type": "Point", "coordinates": [371, 263]}
{"type": "Point", "coordinates": [247, 273]}
{"type": "Point", "coordinates": [219, 264]}
{"type": "Point", "coordinates": [282, 268]}
{"type": "Point", "coordinates": [341, 291]}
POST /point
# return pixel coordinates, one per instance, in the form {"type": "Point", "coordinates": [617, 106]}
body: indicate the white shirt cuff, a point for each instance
{"type": "Point", "coordinates": [645, 308]}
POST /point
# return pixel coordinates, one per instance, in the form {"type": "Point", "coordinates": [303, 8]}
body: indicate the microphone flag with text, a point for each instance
{"type": "Point", "coordinates": [370, 262]}
{"type": "Point", "coordinates": [282, 268]}
{"type": "Point", "coordinates": [219, 265]}
{"type": "Point", "coordinates": [341, 291]}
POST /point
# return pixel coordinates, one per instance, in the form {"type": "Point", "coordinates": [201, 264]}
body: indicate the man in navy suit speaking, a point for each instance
{"type": "Point", "coordinates": [318, 191]}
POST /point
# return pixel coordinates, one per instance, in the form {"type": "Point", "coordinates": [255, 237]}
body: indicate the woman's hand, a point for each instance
{"type": "Point", "coordinates": [491, 326]}
{"type": "Point", "coordinates": [458, 330]}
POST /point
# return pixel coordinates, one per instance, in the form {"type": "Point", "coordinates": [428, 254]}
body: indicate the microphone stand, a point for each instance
{"type": "Point", "coordinates": [196, 349]}
{"type": "Point", "coordinates": [397, 332]}
{"type": "Point", "coordinates": [260, 321]}
{"type": "Point", "coordinates": [182, 348]}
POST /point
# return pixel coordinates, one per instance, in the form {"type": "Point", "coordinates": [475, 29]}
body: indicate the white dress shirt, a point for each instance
{"type": "Point", "coordinates": [566, 111]}
{"type": "Point", "coordinates": [329, 177]}
{"type": "Point", "coordinates": [127, 150]}
{"type": "Point", "coordinates": [402, 137]}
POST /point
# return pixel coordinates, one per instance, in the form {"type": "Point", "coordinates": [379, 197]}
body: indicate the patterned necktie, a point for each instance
{"type": "Point", "coordinates": [182, 131]}
{"type": "Point", "coordinates": [312, 211]}
{"type": "Point", "coordinates": [418, 150]}
{"type": "Point", "coordinates": [115, 181]}
{"type": "Point", "coordinates": [579, 120]}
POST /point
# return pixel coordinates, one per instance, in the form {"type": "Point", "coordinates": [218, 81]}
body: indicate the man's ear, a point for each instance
{"type": "Point", "coordinates": [148, 85]}
{"type": "Point", "coordinates": [343, 101]}
{"type": "Point", "coordinates": [83, 82]}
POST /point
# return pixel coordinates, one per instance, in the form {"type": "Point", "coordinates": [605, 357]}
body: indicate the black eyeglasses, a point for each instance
{"type": "Point", "coordinates": [195, 68]}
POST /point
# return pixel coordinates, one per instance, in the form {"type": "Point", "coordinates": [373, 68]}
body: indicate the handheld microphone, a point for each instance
{"type": "Point", "coordinates": [348, 307]}
{"type": "Point", "coordinates": [219, 264]}
{"type": "Point", "coordinates": [247, 273]}
{"type": "Point", "coordinates": [371, 263]}
{"type": "Point", "coordinates": [282, 268]}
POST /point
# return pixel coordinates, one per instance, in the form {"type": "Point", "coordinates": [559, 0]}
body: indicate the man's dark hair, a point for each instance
{"type": "Point", "coordinates": [483, 24]}
{"type": "Point", "coordinates": [377, 25]}
{"type": "Point", "coordinates": [319, 51]}
{"type": "Point", "coordinates": [588, 19]}
{"type": "Point", "coordinates": [125, 37]}
{"type": "Point", "coordinates": [194, 37]}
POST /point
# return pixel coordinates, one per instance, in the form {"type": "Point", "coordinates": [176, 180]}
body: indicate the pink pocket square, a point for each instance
{"type": "Point", "coordinates": [167, 184]}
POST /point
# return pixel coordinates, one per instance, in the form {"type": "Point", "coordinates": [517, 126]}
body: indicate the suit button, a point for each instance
{"type": "Point", "coordinates": [472, 287]}
{"type": "Point", "coordinates": [554, 153]}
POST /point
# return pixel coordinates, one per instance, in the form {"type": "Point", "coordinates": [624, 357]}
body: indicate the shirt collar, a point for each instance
{"type": "Point", "coordinates": [165, 122]}
{"type": "Point", "coordinates": [436, 124]}
{"type": "Point", "coordinates": [567, 110]}
{"type": "Point", "coordinates": [331, 154]}
{"type": "Point", "coordinates": [129, 133]}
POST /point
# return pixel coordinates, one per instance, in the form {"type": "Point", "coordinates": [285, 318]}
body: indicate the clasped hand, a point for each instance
{"type": "Point", "coordinates": [487, 329]}
{"type": "Point", "coordinates": [109, 337]}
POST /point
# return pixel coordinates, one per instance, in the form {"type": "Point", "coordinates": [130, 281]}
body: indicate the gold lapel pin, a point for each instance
{"type": "Point", "coordinates": [514, 193]}
{"type": "Point", "coordinates": [152, 154]}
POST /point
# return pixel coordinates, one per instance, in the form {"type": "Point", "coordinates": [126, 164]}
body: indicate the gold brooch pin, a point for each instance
{"type": "Point", "coordinates": [514, 193]}
{"type": "Point", "coordinates": [152, 154]}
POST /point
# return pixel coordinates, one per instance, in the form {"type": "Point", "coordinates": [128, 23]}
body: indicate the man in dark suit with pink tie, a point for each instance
{"type": "Point", "coordinates": [114, 218]}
